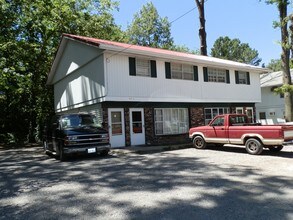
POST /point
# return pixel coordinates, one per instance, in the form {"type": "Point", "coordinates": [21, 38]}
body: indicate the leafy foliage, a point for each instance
{"type": "Point", "coordinates": [184, 49]}
{"type": "Point", "coordinates": [233, 49]}
{"type": "Point", "coordinates": [149, 29]}
{"type": "Point", "coordinates": [276, 65]}
{"type": "Point", "coordinates": [30, 32]}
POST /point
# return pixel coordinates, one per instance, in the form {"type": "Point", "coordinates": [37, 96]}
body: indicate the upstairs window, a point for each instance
{"type": "Point", "coordinates": [181, 71]}
{"type": "Point", "coordinates": [242, 77]}
{"type": "Point", "coordinates": [142, 67]}
{"type": "Point", "coordinates": [216, 75]}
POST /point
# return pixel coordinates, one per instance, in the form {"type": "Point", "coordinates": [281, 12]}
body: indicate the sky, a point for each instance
{"type": "Point", "coordinates": [251, 21]}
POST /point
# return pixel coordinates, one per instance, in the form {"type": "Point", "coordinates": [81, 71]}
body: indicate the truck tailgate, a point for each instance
{"type": "Point", "coordinates": [288, 132]}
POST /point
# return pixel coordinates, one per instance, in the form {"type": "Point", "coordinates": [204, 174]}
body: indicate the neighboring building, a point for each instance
{"type": "Point", "coordinates": [271, 109]}
{"type": "Point", "coordinates": [147, 95]}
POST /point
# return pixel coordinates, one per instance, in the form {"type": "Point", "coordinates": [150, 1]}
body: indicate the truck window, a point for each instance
{"type": "Point", "coordinates": [237, 120]}
{"type": "Point", "coordinates": [73, 121]}
{"type": "Point", "coordinates": [218, 122]}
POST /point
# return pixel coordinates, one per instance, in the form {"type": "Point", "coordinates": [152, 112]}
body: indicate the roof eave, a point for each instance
{"type": "Point", "coordinates": [57, 58]}
{"type": "Point", "coordinates": [201, 59]}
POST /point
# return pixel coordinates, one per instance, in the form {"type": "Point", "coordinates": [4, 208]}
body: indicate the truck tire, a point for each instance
{"type": "Point", "coordinates": [104, 153]}
{"type": "Point", "coordinates": [199, 142]}
{"type": "Point", "coordinates": [45, 145]}
{"type": "Point", "coordinates": [253, 146]}
{"type": "Point", "coordinates": [62, 156]}
{"type": "Point", "coordinates": [276, 148]}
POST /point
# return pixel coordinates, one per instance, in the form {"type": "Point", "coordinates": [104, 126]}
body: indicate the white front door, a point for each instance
{"type": "Point", "coordinates": [137, 131]}
{"type": "Point", "coordinates": [116, 127]}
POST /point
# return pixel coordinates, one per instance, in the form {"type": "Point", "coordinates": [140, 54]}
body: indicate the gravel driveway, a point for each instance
{"type": "Point", "coordinates": [216, 183]}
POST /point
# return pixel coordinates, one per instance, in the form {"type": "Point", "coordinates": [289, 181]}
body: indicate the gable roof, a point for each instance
{"type": "Point", "coordinates": [149, 51]}
{"type": "Point", "coordinates": [272, 79]}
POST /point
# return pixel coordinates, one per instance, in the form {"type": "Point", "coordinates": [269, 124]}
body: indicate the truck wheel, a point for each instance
{"type": "Point", "coordinates": [276, 148]}
{"type": "Point", "coordinates": [254, 146]}
{"type": "Point", "coordinates": [62, 156]}
{"type": "Point", "coordinates": [199, 142]}
{"type": "Point", "coordinates": [104, 153]}
{"type": "Point", "coordinates": [45, 145]}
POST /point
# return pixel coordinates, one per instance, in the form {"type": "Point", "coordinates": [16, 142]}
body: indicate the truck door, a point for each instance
{"type": "Point", "coordinates": [217, 131]}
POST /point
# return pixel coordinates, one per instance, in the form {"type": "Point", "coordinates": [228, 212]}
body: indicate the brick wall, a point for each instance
{"type": "Point", "coordinates": [196, 115]}
{"type": "Point", "coordinates": [152, 139]}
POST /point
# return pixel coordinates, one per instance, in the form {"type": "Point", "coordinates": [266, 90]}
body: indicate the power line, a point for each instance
{"type": "Point", "coordinates": [124, 49]}
{"type": "Point", "coordinates": [183, 15]}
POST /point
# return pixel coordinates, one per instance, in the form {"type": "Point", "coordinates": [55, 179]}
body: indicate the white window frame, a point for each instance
{"type": "Point", "coordinates": [210, 113]}
{"type": "Point", "coordinates": [242, 77]}
{"type": "Point", "coordinates": [169, 121]}
{"type": "Point", "coordinates": [216, 75]}
{"type": "Point", "coordinates": [239, 110]}
{"type": "Point", "coordinates": [182, 71]}
{"type": "Point", "coordinates": [250, 114]}
{"type": "Point", "coordinates": [143, 67]}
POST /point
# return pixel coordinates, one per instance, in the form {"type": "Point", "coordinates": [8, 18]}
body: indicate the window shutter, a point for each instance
{"type": "Point", "coordinates": [153, 69]}
{"type": "Point", "coordinates": [195, 73]}
{"type": "Point", "coordinates": [237, 77]}
{"type": "Point", "coordinates": [248, 78]}
{"type": "Point", "coordinates": [168, 70]}
{"type": "Point", "coordinates": [132, 66]}
{"type": "Point", "coordinates": [205, 74]}
{"type": "Point", "coordinates": [227, 76]}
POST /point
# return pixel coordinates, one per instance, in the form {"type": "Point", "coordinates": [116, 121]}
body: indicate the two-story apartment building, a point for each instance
{"type": "Point", "coordinates": [148, 95]}
{"type": "Point", "coordinates": [271, 109]}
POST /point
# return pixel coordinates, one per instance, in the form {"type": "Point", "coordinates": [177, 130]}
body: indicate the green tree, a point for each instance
{"type": "Point", "coordinates": [233, 49]}
{"type": "Point", "coordinates": [287, 87]}
{"type": "Point", "coordinates": [149, 29]}
{"type": "Point", "coordinates": [276, 65]}
{"type": "Point", "coordinates": [184, 49]}
{"type": "Point", "coordinates": [30, 32]}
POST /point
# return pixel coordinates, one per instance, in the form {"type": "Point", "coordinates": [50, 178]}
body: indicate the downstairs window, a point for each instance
{"type": "Point", "coordinates": [171, 121]}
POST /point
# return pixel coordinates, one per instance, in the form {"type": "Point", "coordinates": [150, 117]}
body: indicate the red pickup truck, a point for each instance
{"type": "Point", "coordinates": [235, 129]}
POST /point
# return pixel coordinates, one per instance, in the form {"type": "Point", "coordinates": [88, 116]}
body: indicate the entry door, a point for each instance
{"type": "Point", "coordinates": [137, 131]}
{"type": "Point", "coordinates": [116, 127]}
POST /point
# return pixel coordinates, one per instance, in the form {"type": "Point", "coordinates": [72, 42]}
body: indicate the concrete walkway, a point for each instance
{"type": "Point", "coordinates": [145, 149]}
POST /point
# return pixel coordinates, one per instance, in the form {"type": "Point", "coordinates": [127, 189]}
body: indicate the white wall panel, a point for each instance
{"type": "Point", "coordinates": [272, 105]}
{"type": "Point", "coordinates": [84, 86]}
{"type": "Point", "coordinates": [123, 87]}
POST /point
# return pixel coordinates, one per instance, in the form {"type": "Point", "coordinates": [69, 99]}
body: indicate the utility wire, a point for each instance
{"type": "Point", "coordinates": [176, 19]}
{"type": "Point", "coordinates": [183, 15]}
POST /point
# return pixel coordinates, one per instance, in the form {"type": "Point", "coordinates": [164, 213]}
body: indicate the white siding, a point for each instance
{"type": "Point", "coordinates": [272, 105]}
{"type": "Point", "coordinates": [81, 83]}
{"type": "Point", "coordinates": [122, 87]}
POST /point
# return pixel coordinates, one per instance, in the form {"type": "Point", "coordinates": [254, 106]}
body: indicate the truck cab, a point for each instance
{"type": "Point", "coordinates": [75, 133]}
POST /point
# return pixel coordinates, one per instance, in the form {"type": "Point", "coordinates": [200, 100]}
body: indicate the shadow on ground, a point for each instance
{"type": "Point", "coordinates": [155, 186]}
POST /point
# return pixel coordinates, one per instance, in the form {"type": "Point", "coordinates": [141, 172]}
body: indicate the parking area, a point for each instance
{"type": "Point", "coordinates": [216, 183]}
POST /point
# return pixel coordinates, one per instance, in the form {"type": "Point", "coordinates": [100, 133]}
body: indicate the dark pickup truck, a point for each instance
{"type": "Point", "coordinates": [75, 133]}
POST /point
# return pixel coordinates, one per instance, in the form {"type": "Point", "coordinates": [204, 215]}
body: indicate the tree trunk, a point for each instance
{"type": "Point", "coordinates": [202, 29]}
{"type": "Point", "coordinates": [282, 6]}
